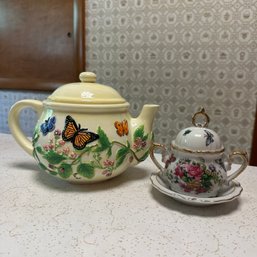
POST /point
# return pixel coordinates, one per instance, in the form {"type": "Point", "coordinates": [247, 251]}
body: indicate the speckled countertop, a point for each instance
{"type": "Point", "coordinates": [125, 216]}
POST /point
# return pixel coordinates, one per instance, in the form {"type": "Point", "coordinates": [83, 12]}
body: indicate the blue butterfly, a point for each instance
{"type": "Point", "coordinates": [48, 125]}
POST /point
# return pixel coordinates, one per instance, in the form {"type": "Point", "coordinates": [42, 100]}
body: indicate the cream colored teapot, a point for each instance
{"type": "Point", "coordinates": [85, 133]}
{"type": "Point", "coordinates": [196, 164]}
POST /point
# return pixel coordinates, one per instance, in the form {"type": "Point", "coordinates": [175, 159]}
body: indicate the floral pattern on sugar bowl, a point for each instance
{"type": "Point", "coordinates": [195, 164]}
{"type": "Point", "coordinates": [195, 176]}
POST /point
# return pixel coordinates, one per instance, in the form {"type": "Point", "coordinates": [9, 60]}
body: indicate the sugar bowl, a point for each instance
{"type": "Point", "coordinates": [196, 164]}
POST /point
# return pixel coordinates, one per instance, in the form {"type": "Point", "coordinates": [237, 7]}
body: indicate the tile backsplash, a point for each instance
{"type": "Point", "coordinates": [181, 54]}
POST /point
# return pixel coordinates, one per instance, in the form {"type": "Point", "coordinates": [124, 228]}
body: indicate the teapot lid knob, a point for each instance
{"type": "Point", "coordinates": [87, 77]}
{"type": "Point", "coordinates": [205, 116]}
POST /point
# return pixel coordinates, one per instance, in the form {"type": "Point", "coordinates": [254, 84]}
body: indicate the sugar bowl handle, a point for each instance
{"type": "Point", "coordinates": [152, 149]}
{"type": "Point", "coordinates": [244, 158]}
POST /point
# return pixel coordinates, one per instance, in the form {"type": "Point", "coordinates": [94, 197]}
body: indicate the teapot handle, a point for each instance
{"type": "Point", "coordinates": [244, 157]}
{"type": "Point", "coordinates": [152, 148]}
{"type": "Point", "coordinates": [13, 120]}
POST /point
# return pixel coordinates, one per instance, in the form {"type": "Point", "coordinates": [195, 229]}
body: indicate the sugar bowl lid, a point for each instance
{"type": "Point", "coordinates": [198, 139]}
{"type": "Point", "coordinates": [86, 92]}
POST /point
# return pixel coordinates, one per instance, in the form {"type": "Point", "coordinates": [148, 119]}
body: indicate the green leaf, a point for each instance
{"type": "Point", "coordinates": [86, 170]}
{"type": "Point", "coordinates": [35, 154]}
{"type": "Point", "coordinates": [35, 138]}
{"type": "Point", "coordinates": [123, 151]}
{"type": "Point", "coordinates": [65, 170]}
{"type": "Point", "coordinates": [39, 150]}
{"type": "Point", "coordinates": [145, 137]}
{"type": "Point", "coordinates": [121, 155]}
{"type": "Point", "coordinates": [109, 152]}
{"type": "Point", "coordinates": [42, 166]}
{"type": "Point", "coordinates": [54, 158]}
{"type": "Point", "coordinates": [206, 177]}
{"type": "Point", "coordinates": [53, 173]}
{"type": "Point", "coordinates": [144, 156]}
{"type": "Point", "coordinates": [103, 141]}
{"type": "Point", "coordinates": [88, 149]}
{"type": "Point", "coordinates": [139, 132]}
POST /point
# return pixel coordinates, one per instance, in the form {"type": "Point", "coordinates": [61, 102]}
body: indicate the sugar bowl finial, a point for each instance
{"type": "Point", "coordinates": [205, 116]}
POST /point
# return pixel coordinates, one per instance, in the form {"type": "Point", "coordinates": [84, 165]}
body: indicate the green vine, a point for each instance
{"type": "Point", "coordinates": [61, 158]}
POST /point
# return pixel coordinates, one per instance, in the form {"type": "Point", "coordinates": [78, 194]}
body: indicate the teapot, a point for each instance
{"type": "Point", "coordinates": [85, 133]}
{"type": "Point", "coordinates": [195, 164]}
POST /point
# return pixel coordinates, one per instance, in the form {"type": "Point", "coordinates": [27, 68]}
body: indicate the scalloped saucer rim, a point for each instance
{"type": "Point", "coordinates": [232, 192]}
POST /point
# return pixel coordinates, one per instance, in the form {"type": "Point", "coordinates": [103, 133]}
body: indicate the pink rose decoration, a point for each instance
{"type": "Point", "coordinates": [194, 171]}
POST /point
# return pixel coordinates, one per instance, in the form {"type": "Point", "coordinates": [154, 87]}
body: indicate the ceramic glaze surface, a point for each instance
{"type": "Point", "coordinates": [199, 139]}
{"type": "Point", "coordinates": [86, 92]}
{"type": "Point", "coordinates": [85, 133]}
{"type": "Point", "coordinates": [196, 176]}
{"type": "Point", "coordinates": [228, 193]}
{"type": "Point", "coordinates": [195, 164]}
{"type": "Point", "coordinates": [66, 147]}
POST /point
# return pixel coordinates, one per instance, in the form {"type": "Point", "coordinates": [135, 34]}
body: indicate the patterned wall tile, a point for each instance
{"type": "Point", "coordinates": [28, 117]}
{"type": "Point", "coordinates": [181, 55]}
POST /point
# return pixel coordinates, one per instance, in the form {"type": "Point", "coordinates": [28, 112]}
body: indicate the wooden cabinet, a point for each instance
{"type": "Point", "coordinates": [41, 43]}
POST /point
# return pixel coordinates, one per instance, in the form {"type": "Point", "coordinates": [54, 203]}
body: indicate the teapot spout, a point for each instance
{"type": "Point", "coordinates": [147, 115]}
{"type": "Point", "coordinates": [142, 135]}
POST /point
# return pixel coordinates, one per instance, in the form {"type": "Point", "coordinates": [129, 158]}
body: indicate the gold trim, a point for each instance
{"type": "Point", "coordinates": [244, 157]}
{"type": "Point", "coordinates": [203, 113]}
{"type": "Point", "coordinates": [152, 148]}
{"type": "Point", "coordinates": [198, 151]}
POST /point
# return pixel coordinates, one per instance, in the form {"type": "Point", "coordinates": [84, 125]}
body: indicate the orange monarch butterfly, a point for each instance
{"type": "Point", "coordinates": [122, 127]}
{"type": "Point", "coordinates": [79, 137]}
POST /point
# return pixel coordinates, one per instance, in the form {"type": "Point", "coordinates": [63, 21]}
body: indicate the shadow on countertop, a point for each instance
{"type": "Point", "coordinates": [202, 211]}
{"type": "Point", "coordinates": [53, 183]}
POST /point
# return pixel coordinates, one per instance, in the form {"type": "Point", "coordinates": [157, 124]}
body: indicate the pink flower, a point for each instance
{"type": "Point", "coordinates": [108, 163]}
{"type": "Point", "coordinates": [179, 172]}
{"type": "Point", "coordinates": [51, 146]}
{"type": "Point", "coordinates": [62, 142]}
{"type": "Point", "coordinates": [66, 150]}
{"type": "Point", "coordinates": [107, 173]}
{"type": "Point", "coordinates": [46, 148]}
{"type": "Point", "coordinates": [139, 144]}
{"type": "Point", "coordinates": [57, 132]}
{"type": "Point", "coordinates": [73, 155]}
{"type": "Point", "coordinates": [194, 171]}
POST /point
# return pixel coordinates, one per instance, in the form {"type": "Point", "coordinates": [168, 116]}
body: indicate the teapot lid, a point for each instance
{"type": "Point", "coordinates": [86, 92]}
{"type": "Point", "coordinates": [198, 139]}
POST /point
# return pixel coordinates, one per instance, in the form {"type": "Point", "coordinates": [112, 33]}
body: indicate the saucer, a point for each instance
{"type": "Point", "coordinates": [228, 194]}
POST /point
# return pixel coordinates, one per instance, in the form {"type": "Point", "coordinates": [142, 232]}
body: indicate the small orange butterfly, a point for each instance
{"type": "Point", "coordinates": [79, 137]}
{"type": "Point", "coordinates": [122, 127]}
